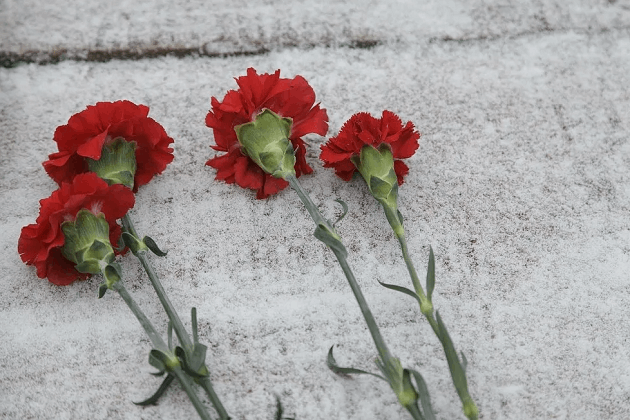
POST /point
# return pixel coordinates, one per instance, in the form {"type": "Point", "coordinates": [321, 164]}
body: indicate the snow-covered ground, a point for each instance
{"type": "Point", "coordinates": [521, 184]}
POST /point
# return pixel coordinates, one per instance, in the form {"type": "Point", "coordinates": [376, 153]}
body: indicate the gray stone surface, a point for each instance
{"type": "Point", "coordinates": [521, 185]}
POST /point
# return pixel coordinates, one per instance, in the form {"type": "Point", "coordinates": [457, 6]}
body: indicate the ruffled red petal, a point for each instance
{"type": "Point", "coordinates": [292, 98]}
{"type": "Point", "coordinates": [363, 129]}
{"type": "Point", "coordinates": [87, 132]}
{"type": "Point", "coordinates": [40, 243]}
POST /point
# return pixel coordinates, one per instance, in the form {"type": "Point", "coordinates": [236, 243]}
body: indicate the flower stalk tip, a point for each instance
{"type": "Point", "coordinates": [87, 242]}
{"type": "Point", "coordinates": [376, 165]}
{"type": "Point", "coordinates": [117, 164]}
{"type": "Point", "coordinates": [266, 141]}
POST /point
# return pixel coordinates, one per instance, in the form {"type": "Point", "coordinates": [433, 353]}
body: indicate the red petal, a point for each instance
{"type": "Point", "coordinates": [401, 170]}
{"type": "Point", "coordinates": [92, 148]}
{"type": "Point", "coordinates": [60, 271]}
{"type": "Point", "coordinates": [247, 174]}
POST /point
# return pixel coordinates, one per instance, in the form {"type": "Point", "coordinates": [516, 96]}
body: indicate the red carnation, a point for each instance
{"type": "Point", "coordinates": [40, 243]}
{"type": "Point", "coordinates": [88, 131]}
{"type": "Point", "coordinates": [363, 129]}
{"type": "Point", "coordinates": [292, 98]}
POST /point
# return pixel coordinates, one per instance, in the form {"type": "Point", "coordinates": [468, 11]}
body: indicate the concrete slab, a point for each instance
{"type": "Point", "coordinates": [520, 185]}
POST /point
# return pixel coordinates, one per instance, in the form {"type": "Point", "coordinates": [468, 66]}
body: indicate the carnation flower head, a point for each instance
{"type": "Point", "coordinates": [363, 129]}
{"type": "Point", "coordinates": [98, 125]}
{"type": "Point", "coordinates": [288, 98]}
{"type": "Point", "coordinates": [40, 243]}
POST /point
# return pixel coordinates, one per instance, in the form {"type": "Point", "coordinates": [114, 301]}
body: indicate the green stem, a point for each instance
{"type": "Point", "coordinates": [395, 223]}
{"type": "Point", "coordinates": [148, 327]}
{"type": "Point", "coordinates": [178, 326]}
{"type": "Point", "coordinates": [160, 345]}
{"type": "Point", "coordinates": [415, 411]}
{"type": "Point", "coordinates": [186, 383]}
{"type": "Point", "coordinates": [426, 307]}
{"type": "Point", "coordinates": [365, 309]}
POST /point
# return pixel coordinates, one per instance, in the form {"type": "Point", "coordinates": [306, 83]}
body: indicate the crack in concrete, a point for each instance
{"type": "Point", "coordinates": [11, 59]}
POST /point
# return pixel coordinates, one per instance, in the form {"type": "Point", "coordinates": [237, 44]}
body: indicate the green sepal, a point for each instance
{"type": "Point", "coordinates": [112, 274]}
{"type": "Point", "coordinates": [344, 206]}
{"type": "Point", "coordinates": [328, 236]}
{"type": "Point", "coordinates": [156, 396]}
{"type": "Point", "coordinates": [266, 141]}
{"type": "Point", "coordinates": [377, 168]}
{"type": "Point", "coordinates": [102, 289]}
{"type": "Point", "coordinates": [133, 243]}
{"type": "Point", "coordinates": [87, 239]}
{"type": "Point", "coordinates": [91, 267]}
{"type": "Point", "coordinates": [458, 372]}
{"type": "Point", "coordinates": [401, 289]}
{"type": "Point", "coordinates": [381, 189]}
{"type": "Point", "coordinates": [117, 164]}
{"type": "Point", "coordinates": [99, 251]}
{"type": "Point", "coordinates": [423, 394]}
{"type": "Point", "coordinates": [332, 365]}
{"type": "Point", "coordinates": [430, 274]}
{"type": "Point", "coordinates": [150, 243]}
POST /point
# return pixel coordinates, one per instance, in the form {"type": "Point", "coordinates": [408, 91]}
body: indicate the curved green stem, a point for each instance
{"type": "Point", "coordinates": [415, 412]}
{"type": "Point", "coordinates": [178, 326]}
{"type": "Point", "coordinates": [426, 307]}
{"type": "Point", "coordinates": [159, 344]}
{"type": "Point", "coordinates": [365, 309]}
{"type": "Point", "coordinates": [148, 327]}
{"type": "Point", "coordinates": [186, 383]}
{"type": "Point", "coordinates": [389, 365]}
{"type": "Point", "coordinates": [356, 290]}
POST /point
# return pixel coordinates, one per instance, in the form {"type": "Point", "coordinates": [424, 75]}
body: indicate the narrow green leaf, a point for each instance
{"type": "Point", "coordinates": [156, 359]}
{"type": "Point", "coordinates": [163, 387]}
{"type": "Point", "coordinates": [132, 242]}
{"type": "Point", "coordinates": [150, 243]}
{"type": "Point", "coordinates": [187, 365]}
{"type": "Point", "coordinates": [193, 316]}
{"type": "Point", "coordinates": [345, 211]}
{"type": "Point", "coordinates": [400, 289]}
{"type": "Point", "coordinates": [430, 274]}
{"type": "Point", "coordinates": [323, 233]}
{"type": "Point", "coordinates": [400, 217]}
{"type": "Point", "coordinates": [464, 361]}
{"type": "Point", "coordinates": [101, 290]}
{"type": "Point", "coordinates": [198, 357]}
{"type": "Point", "coordinates": [457, 372]}
{"type": "Point", "coordinates": [332, 365]}
{"type": "Point", "coordinates": [169, 333]}
{"type": "Point", "coordinates": [423, 392]}
{"type": "Point", "coordinates": [279, 409]}
{"type": "Point", "coordinates": [120, 246]}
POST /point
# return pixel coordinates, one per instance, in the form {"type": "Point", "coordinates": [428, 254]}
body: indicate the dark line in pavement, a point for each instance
{"type": "Point", "coordinates": [11, 59]}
